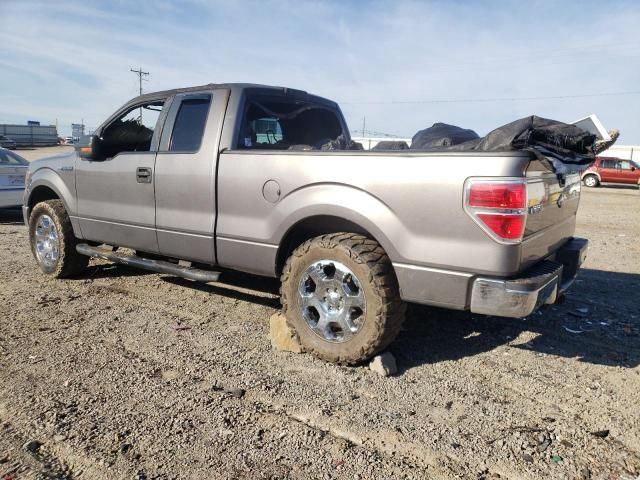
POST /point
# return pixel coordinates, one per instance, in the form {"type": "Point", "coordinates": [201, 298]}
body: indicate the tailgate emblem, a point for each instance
{"type": "Point", "coordinates": [534, 209]}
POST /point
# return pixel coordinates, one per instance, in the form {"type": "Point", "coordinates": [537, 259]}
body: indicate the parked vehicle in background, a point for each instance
{"type": "Point", "coordinates": [68, 140]}
{"type": "Point", "coordinates": [611, 170]}
{"type": "Point", "coordinates": [13, 169]}
{"type": "Point", "coordinates": [6, 142]}
{"type": "Point", "coordinates": [248, 177]}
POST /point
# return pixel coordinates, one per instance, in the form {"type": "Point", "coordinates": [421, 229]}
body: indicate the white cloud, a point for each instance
{"type": "Point", "coordinates": [70, 59]}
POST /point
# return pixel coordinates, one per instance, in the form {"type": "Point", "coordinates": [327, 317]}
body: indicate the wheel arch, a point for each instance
{"type": "Point", "coordinates": [329, 208]}
{"type": "Point", "coordinates": [313, 226]}
{"type": "Point", "coordinates": [47, 185]}
{"type": "Point", "coordinates": [591, 172]}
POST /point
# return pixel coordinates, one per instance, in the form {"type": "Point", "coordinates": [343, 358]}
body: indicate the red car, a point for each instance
{"type": "Point", "coordinates": [611, 170]}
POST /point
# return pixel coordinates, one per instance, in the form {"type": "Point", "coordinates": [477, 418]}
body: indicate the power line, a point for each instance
{"type": "Point", "coordinates": [497, 99]}
{"type": "Point", "coordinates": [140, 74]}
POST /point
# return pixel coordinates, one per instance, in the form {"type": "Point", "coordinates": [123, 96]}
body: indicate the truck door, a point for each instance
{"type": "Point", "coordinates": [186, 176]}
{"type": "Point", "coordinates": [116, 201]}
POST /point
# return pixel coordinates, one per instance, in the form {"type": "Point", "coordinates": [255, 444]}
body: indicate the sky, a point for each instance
{"type": "Point", "coordinates": [399, 66]}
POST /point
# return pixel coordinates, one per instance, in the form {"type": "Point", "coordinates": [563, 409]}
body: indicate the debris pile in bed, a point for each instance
{"type": "Point", "coordinates": [564, 147]}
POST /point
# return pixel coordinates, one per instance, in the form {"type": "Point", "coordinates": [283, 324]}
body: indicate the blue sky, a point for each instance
{"type": "Point", "coordinates": [403, 64]}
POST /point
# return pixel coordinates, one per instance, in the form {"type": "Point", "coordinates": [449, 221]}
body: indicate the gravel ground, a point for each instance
{"type": "Point", "coordinates": [127, 374]}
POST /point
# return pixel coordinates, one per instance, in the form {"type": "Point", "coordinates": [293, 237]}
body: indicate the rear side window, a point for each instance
{"type": "Point", "coordinates": [274, 123]}
{"type": "Point", "coordinates": [608, 164]}
{"type": "Point", "coordinates": [189, 125]}
{"type": "Point", "coordinates": [10, 158]}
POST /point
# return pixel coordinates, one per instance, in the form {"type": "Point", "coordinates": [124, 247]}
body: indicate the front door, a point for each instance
{"type": "Point", "coordinates": [628, 172]}
{"type": "Point", "coordinates": [116, 199]}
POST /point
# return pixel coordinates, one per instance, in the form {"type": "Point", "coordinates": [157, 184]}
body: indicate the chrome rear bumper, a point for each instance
{"type": "Point", "coordinates": [542, 284]}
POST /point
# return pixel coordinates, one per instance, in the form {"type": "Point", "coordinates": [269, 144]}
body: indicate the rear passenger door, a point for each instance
{"type": "Point", "coordinates": [608, 171]}
{"type": "Point", "coordinates": [185, 176]}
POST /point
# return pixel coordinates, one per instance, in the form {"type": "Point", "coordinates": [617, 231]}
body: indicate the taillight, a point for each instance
{"type": "Point", "coordinates": [498, 206]}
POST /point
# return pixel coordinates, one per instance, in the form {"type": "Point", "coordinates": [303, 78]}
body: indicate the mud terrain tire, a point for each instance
{"type": "Point", "coordinates": [68, 262]}
{"type": "Point", "coordinates": [383, 311]}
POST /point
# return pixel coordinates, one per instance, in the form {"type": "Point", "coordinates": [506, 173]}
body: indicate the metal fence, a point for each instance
{"type": "Point", "coordinates": [31, 135]}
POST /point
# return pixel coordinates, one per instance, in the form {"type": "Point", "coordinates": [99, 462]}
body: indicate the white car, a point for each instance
{"type": "Point", "coordinates": [12, 171]}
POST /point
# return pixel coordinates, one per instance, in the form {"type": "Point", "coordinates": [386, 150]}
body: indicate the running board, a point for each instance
{"type": "Point", "coordinates": [159, 266]}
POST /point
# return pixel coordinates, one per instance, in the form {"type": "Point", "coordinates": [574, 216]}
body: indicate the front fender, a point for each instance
{"type": "Point", "coordinates": [47, 177]}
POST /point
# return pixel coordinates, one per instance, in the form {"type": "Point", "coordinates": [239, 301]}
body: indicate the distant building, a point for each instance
{"type": "Point", "coordinates": [77, 131]}
{"type": "Point", "coordinates": [31, 135]}
{"type": "Point", "coordinates": [626, 152]}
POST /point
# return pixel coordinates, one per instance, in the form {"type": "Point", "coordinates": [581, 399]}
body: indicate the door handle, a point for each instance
{"type": "Point", "coordinates": [143, 175]}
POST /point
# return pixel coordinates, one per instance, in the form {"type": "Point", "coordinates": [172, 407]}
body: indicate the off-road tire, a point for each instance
{"type": "Point", "coordinates": [385, 311]}
{"type": "Point", "coordinates": [596, 182]}
{"type": "Point", "coordinates": [70, 263]}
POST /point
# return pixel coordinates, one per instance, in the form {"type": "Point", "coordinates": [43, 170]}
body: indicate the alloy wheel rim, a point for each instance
{"type": "Point", "coordinates": [332, 301]}
{"type": "Point", "coordinates": [46, 241]}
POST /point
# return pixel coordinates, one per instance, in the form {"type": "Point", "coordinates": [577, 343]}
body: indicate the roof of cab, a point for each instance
{"type": "Point", "coordinates": [237, 87]}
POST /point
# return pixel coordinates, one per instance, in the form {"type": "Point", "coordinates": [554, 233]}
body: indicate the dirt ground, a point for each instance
{"type": "Point", "coordinates": [133, 375]}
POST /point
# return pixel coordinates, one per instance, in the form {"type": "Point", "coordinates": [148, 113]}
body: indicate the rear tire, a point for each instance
{"type": "Point", "coordinates": [591, 181]}
{"type": "Point", "coordinates": [341, 297]}
{"type": "Point", "coordinates": [53, 243]}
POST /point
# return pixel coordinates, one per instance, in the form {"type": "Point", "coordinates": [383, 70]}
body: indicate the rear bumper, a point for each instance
{"type": "Point", "coordinates": [541, 284]}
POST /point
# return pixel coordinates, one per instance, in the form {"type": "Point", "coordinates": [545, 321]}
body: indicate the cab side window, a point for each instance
{"type": "Point", "coordinates": [188, 128]}
{"type": "Point", "coordinates": [284, 124]}
{"type": "Point", "coordinates": [132, 131]}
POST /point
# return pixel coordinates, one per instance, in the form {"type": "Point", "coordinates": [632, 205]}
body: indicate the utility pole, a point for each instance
{"type": "Point", "coordinates": [140, 74]}
{"type": "Point", "coordinates": [364, 119]}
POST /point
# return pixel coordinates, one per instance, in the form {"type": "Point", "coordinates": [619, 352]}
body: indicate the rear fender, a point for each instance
{"type": "Point", "coordinates": [343, 201]}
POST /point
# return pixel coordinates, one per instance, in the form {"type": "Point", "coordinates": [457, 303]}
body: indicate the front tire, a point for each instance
{"type": "Point", "coordinates": [341, 297]}
{"type": "Point", "coordinates": [591, 181]}
{"type": "Point", "coordinates": [52, 241]}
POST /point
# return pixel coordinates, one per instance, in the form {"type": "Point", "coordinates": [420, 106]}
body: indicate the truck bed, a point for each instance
{"type": "Point", "coordinates": [411, 203]}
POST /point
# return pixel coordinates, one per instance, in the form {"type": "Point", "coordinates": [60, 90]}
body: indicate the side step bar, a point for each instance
{"type": "Point", "coordinates": [159, 266]}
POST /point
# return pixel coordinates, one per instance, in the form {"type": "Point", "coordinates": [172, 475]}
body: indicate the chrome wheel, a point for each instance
{"type": "Point", "coordinates": [590, 181]}
{"type": "Point", "coordinates": [332, 301]}
{"type": "Point", "coordinates": [46, 241]}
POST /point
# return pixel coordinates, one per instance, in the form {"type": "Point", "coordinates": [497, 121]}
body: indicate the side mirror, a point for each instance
{"type": "Point", "coordinates": [88, 147]}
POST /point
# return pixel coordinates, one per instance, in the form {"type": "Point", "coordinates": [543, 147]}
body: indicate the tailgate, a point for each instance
{"type": "Point", "coordinates": [552, 204]}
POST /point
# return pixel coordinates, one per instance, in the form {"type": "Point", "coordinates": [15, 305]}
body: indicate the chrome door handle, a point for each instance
{"type": "Point", "coordinates": [143, 175]}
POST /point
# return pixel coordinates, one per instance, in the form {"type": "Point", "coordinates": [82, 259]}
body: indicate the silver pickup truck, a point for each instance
{"type": "Point", "coordinates": [239, 176]}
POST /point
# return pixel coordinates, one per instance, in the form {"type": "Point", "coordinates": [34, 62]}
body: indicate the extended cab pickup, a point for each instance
{"type": "Point", "coordinates": [249, 177]}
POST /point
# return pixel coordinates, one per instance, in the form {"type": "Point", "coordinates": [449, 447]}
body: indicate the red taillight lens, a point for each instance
{"type": "Point", "coordinates": [499, 207]}
{"type": "Point", "coordinates": [497, 195]}
{"type": "Point", "coordinates": [508, 227]}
